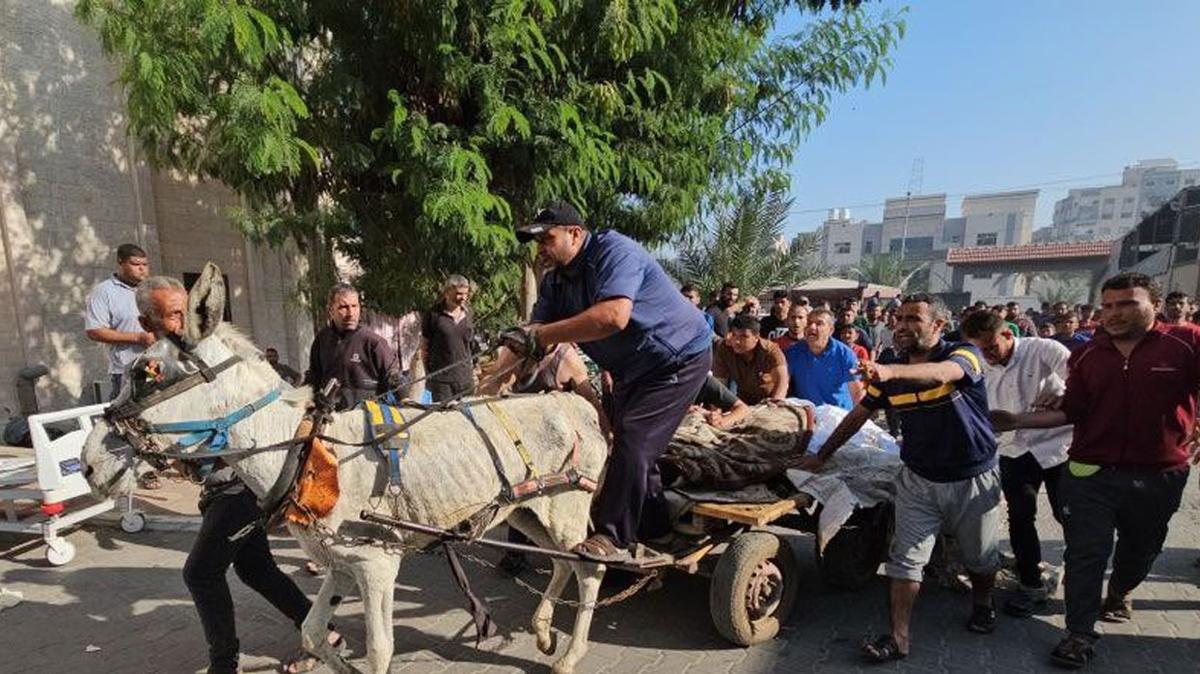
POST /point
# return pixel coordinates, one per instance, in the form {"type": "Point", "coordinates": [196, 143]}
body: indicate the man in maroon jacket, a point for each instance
{"type": "Point", "coordinates": [1131, 394]}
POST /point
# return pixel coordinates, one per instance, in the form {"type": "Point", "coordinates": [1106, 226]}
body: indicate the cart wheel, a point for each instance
{"type": "Point", "coordinates": [851, 558]}
{"type": "Point", "coordinates": [753, 588]}
{"type": "Point", "coordinates": [59, 551]}
{"type": "Point", "coordinates": [133, 522]}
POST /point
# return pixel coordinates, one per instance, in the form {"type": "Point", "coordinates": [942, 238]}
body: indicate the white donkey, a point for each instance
{"type": "Point", "coordinates": [447, 474]}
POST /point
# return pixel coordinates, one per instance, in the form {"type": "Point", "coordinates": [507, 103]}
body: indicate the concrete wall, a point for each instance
{"type": "Point", "coordinates": [843, 235]}
{"type": "Point", "coordinates": [71, 191]}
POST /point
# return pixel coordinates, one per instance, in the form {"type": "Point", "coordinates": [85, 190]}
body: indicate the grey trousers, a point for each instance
{"type": "Point", "coordinates": [1135, 505]}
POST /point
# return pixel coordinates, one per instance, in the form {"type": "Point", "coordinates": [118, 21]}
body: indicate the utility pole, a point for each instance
{"type": "Point", "coordinates": [904, 235]}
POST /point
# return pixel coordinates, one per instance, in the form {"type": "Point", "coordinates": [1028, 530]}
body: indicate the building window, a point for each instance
{"type": "Point", "coordinates": [1126, 215]}
{"type": "Point", "coordinates": [985, 239]}
{"type": "Point", "coordinates": [868, 247]}
{"type": "Point", "coordinates": [842, 248]}
{"type": "Point", "coordinates": [1129, 200]}
{"type": "Point", "coordinates": [1107, 215]}
{"type": "Point", "coordinates": [915, 244]}
{"type": "Point", "coordinates": [1110, 200]}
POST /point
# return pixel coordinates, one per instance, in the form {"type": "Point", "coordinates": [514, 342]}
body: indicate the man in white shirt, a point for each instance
{"type": "Point", "coordinates": [1024, 374]}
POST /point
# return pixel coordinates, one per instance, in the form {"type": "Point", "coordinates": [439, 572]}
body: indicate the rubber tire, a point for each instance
{"type": "Point", "coordinates": [851, 559]}
{"type": "Point", "coordinates": [133, 522]}
{"type": "Point", "coordinates": [727, 590]}
{"type": "Point", "coordinates": [60, 552]}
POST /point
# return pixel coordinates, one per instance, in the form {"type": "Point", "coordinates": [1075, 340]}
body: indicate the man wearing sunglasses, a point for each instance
{"type": "Point", "coordinates": [607, 294]}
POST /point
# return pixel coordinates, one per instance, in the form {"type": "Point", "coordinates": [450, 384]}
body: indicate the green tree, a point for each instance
{"type": "Point", "coordinates": [411, 135]}
{"type": "Point", "coordinates": [1069, 288]}
{"type": "Point", "coordinates": [745, 244]}
{"type": "Point", "coordinates": [888, 269]}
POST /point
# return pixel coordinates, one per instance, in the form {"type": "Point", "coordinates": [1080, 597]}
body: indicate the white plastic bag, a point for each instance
{"type": "Point", "coordinates": [871, 436]}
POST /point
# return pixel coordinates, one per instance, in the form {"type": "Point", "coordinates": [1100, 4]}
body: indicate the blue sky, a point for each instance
{"type": "Point", "coordinates": [999, 95]}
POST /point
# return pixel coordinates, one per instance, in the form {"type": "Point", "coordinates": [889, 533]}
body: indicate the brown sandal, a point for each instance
{"type": "Point", "coordinates": [601, 548]}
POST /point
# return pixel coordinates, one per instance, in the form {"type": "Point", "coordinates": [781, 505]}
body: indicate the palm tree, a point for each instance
{"type": "Point", "coordinates": [745, 244]}
{"type": "Point", "coordinates": [1070, 289]}
{"type": "Point", "coordinates": [887, 269]}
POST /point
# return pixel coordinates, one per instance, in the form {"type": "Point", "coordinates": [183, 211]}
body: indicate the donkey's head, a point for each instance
{"type": "Point", "coordinates": [199, 370]}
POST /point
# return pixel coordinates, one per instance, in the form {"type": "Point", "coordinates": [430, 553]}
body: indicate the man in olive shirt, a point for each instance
{"type": "Point", "coordinates": [754, 364]}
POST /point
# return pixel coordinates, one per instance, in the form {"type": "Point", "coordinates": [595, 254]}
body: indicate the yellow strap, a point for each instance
{"type": "Point", "coordinates": [516, 439]}
{"type": "Point", "coordinates": [375, 412]}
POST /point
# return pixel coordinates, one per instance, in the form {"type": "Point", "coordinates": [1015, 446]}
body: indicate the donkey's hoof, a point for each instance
{"type": "Point", "coordinates": [548, 643]}
{"type": "Point", "coordinates": [564, 666]}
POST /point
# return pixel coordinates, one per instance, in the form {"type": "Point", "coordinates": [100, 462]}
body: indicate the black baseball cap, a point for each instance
{"type": "Point", "coordinates": [553, 214]}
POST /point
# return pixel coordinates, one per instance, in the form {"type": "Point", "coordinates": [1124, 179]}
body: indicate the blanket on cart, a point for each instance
{"type": "Point", "coordinates": [754, 452]}
{"type": "Point", "coordinates": [750, 463]}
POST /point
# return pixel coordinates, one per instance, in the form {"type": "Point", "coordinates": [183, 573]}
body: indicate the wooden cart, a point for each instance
{"type": "Point", "coordinates": [753, 572]}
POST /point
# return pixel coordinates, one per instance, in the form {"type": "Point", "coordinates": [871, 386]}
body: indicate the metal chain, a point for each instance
{"type": "Point", "coordinates": [328, 536]}
{"type": "Point", "coordinates": [602, 603]}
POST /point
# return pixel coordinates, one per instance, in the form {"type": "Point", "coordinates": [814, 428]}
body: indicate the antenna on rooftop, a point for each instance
{"type": "Point", "coordinates": [916, 178]}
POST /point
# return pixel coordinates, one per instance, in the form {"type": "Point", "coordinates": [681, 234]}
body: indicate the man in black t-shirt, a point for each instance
{"type": "Point", "coordinates": [774, 325]}
{"type": "Point", "coordinates": [720, 309]}
{"type": "Point", "coordinates": [447, 330]}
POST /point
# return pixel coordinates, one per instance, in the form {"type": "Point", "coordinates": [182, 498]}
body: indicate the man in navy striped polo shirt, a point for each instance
{"type": "Point", "coordinates": [950, 478]}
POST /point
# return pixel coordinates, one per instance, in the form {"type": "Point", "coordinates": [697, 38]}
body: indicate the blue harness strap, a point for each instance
{"type": "Point", "coordinates": [213, 433]}
{"type": "Point", "coordinates": [383, 416]}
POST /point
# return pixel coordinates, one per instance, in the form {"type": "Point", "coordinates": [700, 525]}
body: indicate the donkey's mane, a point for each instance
{"type": "Point", "coordinates": [251, 355]}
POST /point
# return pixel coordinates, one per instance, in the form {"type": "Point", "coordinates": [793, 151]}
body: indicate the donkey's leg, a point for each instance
{"type": "Point", "coordinates": [543, 617]}
{"type": "Point", "coordinates": [588, 578]}
{"type": "Point", "coordinates": [377, 580]}
{"type": "Point", "coordinates": [569, 528]}
{"type": "Point", "coordinates": [314, 632]}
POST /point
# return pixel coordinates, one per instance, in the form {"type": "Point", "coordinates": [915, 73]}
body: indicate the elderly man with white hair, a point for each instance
{"type": "Point", "coordinates": [447, 330]}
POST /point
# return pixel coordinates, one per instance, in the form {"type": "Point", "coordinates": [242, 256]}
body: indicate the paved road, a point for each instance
{"type": "Point", "coordinates": [123, 594]}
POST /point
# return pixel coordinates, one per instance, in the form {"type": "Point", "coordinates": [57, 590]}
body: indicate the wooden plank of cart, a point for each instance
{"type": "Point", "coordinates": [753, 571]}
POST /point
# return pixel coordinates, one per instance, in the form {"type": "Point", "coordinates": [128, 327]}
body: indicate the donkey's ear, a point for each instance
{"type": "Point", "coordinates": [206, 303]}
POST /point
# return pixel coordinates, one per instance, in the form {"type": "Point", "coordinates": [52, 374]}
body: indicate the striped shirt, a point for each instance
{"type": "Point", "coordinates": [945, 432]}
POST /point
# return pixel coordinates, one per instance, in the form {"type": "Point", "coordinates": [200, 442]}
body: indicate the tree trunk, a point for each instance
{"type": "Point", "coordinates": [530, 278]}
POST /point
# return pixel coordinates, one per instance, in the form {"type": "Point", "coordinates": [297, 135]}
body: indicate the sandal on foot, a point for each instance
{"type": "Point", "coordinates": [1073, 652]}
{"type": "Point", "coordinates": [883, 649]}
{"type": "Point", "coordinates": [149, 481]}
{"type": "Point", "coordinates": [983, 619]}
{"type": "Point", "coordinates": [601, 548]}
{"type": "Point", "coordinates": [1117, 610]}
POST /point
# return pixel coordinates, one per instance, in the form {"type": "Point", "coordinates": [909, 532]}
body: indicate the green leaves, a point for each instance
{"type": "Point", "coordinates": [745, 243]}
{"type": "Point", "coordinates": [412, 135]}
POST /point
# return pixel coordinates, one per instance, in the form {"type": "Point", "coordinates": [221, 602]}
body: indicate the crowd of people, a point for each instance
{"type": "Point", "coordinates": [1096, 403]}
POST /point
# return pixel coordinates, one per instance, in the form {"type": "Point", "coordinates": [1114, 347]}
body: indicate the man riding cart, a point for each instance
{"type": "Point", "coordinates": [607, 294]}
